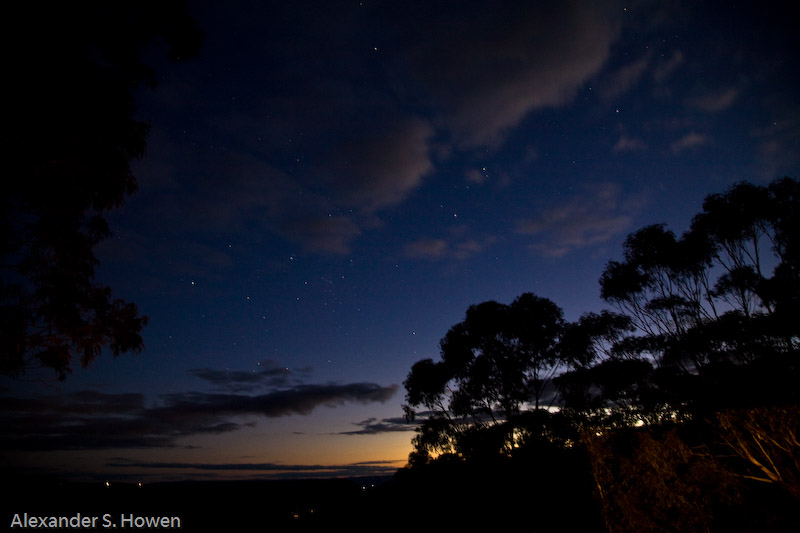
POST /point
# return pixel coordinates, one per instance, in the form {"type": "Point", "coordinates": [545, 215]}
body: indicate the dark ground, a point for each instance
{"type": "Point", "coordinates": [441, 500]}
{"type": "Point", "coordinates": [422, 503]}
{"type": "Point", "coordinates": [201, 506]}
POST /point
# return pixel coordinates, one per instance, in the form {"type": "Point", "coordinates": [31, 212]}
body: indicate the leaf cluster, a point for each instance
{"type": "Point", "coordinates": [69, 140]}
{"type": "Point", "coordinates": [689, 385]}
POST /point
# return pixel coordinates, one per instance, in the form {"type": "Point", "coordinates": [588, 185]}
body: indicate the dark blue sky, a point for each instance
{"type": "Point", "coordinates": [329, 185]}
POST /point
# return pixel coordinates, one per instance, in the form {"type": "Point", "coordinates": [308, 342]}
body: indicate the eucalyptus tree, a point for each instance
{"type": "Point", "coordinates": [497, 362]}
{"type": "Point", "coordinates": [722, 298]}
{"type": "Point", "coordinates": [69, 140]}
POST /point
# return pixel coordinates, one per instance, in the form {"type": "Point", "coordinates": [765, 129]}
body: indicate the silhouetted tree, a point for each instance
{"type": "Point", "coordinates": [608, 383]}
{"type": "Point", "coordinates": [717, 324]}
{"type": "Point", "coordinates": [499, 358]}
{"type": "Point", "coordinates": [681, 402]}
{"type": "Point", "coordinates": [69, 137]}
{"type": "Point", "coordinates": [722, 296]}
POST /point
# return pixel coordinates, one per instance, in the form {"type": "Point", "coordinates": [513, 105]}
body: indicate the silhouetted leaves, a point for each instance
{"type": "Point", "coordinates": [708, 297]}
{"type": "Point", "coordinates": [493, 362]}
{"type": "Point", "coordinates": [69, 139]}
{"type": "Point", "coordinates": [681, 399]}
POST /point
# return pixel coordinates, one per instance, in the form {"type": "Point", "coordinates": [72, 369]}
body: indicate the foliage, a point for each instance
{"type": "Point", "coordinates": [720, 298]}
{"type": "Point", "coordinates": [681, 397]}
{"type": "Point", "coordinates": [497, 359]}
{"type": "Point", "coordinates": [649, 482]}
{"type": "Point", "coordinates": [70, 138]}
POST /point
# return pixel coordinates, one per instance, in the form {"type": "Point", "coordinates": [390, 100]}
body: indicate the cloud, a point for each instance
{"type": "Point", "coordinates": [619, 82]}
{"type": "Point", "coordinates": [714, 102]}
{"type": "Point", "coordinates": [94, 420]}
{"type": "Point", "coordinates": [321, 234]}
{"type": "Point", "coordinates": [298, 400]}
{"type": "Point", "coordinates": [628, 144]}
{"type": "Point", "coordinates": [667, 67]}
{"type": "Point", "coordinates": [373, 426]}
{"type": "Point", "coordinates": [487, 69]}
{"type": "Point", "coordinates": [324, 139]}
{"type": "Point", "coordinates": [349, 168]}
{"type": "Point", "coordinates": [380, 167]}
{"type": "Point", "coordinates": [689, 141]}
{"type": "Point", "coordinates": [477, 177]}
{"type": "Point", "coordinates": [235, 192]}
{"type": "Point", "coordinates": [457, 245]}
{"type": "Point", "coordinates": [428, 248]}
{"type": "Point", "coordinates": [269, 374]}
{"type": "Point", "coordinates": [595, 216]}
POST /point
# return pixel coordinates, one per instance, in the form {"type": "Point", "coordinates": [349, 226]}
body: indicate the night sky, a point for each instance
{"type": "Point", "coordinates": [329, 185]}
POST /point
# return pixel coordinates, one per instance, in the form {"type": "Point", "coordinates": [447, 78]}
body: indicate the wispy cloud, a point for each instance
{"type": "Point", "coordinates": [458, 243]}
{"type": "Point", "coordinates": [595, 216]}
{"type": "Point", "coordinates": [373, 426]}
{"type": "Point", "coordinates": [667, 67]}
{"type": "Point", "coordinates": [689, 141]}
{"type": "Point", "coordinates": [628, 144]}
{"type": "Point", "coordinates": [487, 72]}
{"type": "Point", "coordinates": [268, 374]}
{"type": "Point", "coordinates": [330, 142]}
{"type": "Point", "coordinates": [327, 234]}
{"type": "Point", "coordinates": [716, 101]}
{"type": "Point", "coordinates": [435, 249]}
{"type": "Point", "coordinates": [378, 167]}
{"type": "Point", "coordinates": [623, 79]}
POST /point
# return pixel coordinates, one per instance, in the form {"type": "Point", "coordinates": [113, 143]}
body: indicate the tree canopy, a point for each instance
{"type": "Point", "coordinates": [69, 139]}
{"type": "Point", "coordinates": [720, 298]}
{"type": "Point", "coordinates": [499, 358]}
{"type": "Point", "coordinates": [687, 385]}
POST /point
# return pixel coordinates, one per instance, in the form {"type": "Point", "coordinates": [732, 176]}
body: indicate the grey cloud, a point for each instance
{"type": "Point", "coordinates": [427, 248]}
{"type": "Point", "coordinates": [689, 141]}
{"type": "Point", "coordinates": [714, 102]}
{"type": "Point", "coordinates": [624, 78]}
{"type": "Point", "coordinates": [595, 216]}
{"type": "Point", "coordinates": [93, 420]}
{"type": "Point", "coordinates": [477, 177]}
{"type": "Point", "coordinates": [373, 426]}
{"type": "Point", "coordinates": [321, 233]}
{"type": "Point", "coordinates": [380, 167]}
{"type": "Point", "coordinates": [486, 71]}
{"type": "Point", "coordinates": [269, 374]}
{"type": "Point", "coordinates": [322, 207]}
{"type": "Point", "coordinates": [664, 69]}
{"type": "Point", "coordinates": [628, 144]}
{"type": "Point", "coordinates": [301, 400]}
{"type": "Point", "coordinates": [431, 248]}
{"type": "Point", "coordinates": [237, 191]}
{"type": "Point", "coordinates": [458, 244]}
{"type": "Point", "coordinates": [314, 158]}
